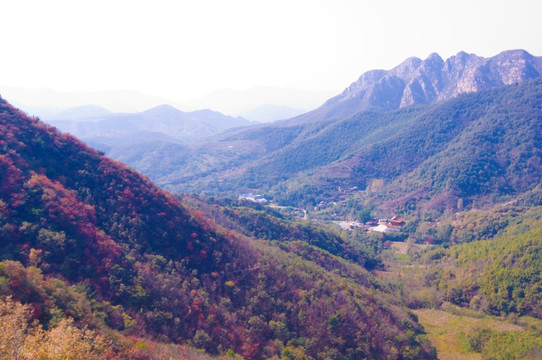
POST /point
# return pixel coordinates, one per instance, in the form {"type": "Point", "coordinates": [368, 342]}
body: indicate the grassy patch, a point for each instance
{"type": "Point", "coordinates": [402, 259]}
{"type": "Point", "coordinates": [451, 331]}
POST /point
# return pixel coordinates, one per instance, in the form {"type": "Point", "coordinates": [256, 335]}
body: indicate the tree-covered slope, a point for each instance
{"type": "Point", "coordinates": [500, 150]}
{"type": "Point", "coordinates": [500, 275]}
{"type": "Point", "coordinates": [139, 262]}
{"type": "Point", "coordinates": [477, 144]}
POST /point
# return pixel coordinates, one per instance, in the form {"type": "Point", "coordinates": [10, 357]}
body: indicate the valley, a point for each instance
{"type": "Point", "coordinates": [400, 220]}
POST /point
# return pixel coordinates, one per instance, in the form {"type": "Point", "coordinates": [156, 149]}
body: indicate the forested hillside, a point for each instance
{"type": "Point", "coordinates": [83, 237]}
{"type": "Point", "coordinates": [500, 275]}
{"type": "Point", "coordinates": [470, 148]}
{"type": "Point", "coordinates": [473, 145]}
{"type": "Point", "coordinates": [495, 284]}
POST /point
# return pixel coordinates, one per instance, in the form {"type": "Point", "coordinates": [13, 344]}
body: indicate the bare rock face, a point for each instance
{"type": "Point", "coordinates": [428, 81]}
{"type": "Point", "coordinates": [434, 80]}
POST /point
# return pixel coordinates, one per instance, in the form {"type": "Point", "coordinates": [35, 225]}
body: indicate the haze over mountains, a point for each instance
{"type": "Point", "coordinates": [46, 102]}
{"type": "Point", "coordinates": [269, 113]}
{"type": "Point", "coordinates": [100, 127]}
{"type": "Point", "coordinates": [241, 102]}
{"type": "Point", "coordinates": [279, 103]}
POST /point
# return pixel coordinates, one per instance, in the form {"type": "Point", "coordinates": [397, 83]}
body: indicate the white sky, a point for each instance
{"type": "Point", "coordinates": [185, 49]}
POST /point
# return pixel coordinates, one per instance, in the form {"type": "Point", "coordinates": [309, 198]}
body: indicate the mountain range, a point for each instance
{"type": "Point", "coordinates": [428, 81]}
{"type": "Point", "coordinates": [284, 102]}
{"type": "Point", "coordinates": [473, 118]}
{"type": "Point", "coordinates": [104, 129]}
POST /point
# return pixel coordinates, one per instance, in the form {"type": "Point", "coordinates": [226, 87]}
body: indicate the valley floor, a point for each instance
{"type": "Point", "coordinates": [459, 333]}
{"type": "Point", "coordinates": [448, 331]}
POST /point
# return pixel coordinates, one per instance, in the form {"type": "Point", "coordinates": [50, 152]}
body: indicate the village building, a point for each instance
{"type": "Point", "coordinates": [388, 225]}
{"type": "Point", "coordinates": [384, 228]}
{"type": "Point", "coordinates": [397, 221]}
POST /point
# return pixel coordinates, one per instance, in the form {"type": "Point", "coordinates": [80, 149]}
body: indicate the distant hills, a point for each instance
{"type": "Point", "coordinates": [104, 129]}
{"type": "Point", "coordinates": [44, 102]}
{"type": "Point", "coordinates": [238, 102]}
{"type": "Point", "coordinates": [47, 103]}
{"type": "Point", "coordinates": [78, 113]}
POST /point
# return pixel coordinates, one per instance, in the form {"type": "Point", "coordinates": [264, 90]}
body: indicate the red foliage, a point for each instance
{"type": "Point", "coordinates": [170, 268]}
{"type": "Point", "coordinates": [64, 209]}
{"type": "Point", "coordinates": [11, 179]}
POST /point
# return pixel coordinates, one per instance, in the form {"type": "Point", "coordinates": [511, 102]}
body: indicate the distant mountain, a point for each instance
{"type": "Point", "coordinates": [47, 102]}
{"type": "Point", "coordinates": [164, 122]}
{"type": "Point", "coordinates": [474, 145]}
{"type": "Point", "coordinates": [428, 81]}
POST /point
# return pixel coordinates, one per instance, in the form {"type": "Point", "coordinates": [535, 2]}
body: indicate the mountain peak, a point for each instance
{"type": "Point", "coordinates": [434, 58]}
{"type": "Point", "coordinates": [514, 53]}
{"type": "Point", "coordinates": [406, 67]}
{"type": "Point", "coordinates": [428, 81]}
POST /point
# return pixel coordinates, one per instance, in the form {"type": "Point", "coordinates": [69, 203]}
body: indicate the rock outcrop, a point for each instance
{"type": "Point", "coordinates": [428, 81]}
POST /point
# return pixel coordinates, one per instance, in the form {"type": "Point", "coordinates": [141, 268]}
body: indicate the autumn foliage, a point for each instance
{"type": "Point", "coordinates": [86, 238]}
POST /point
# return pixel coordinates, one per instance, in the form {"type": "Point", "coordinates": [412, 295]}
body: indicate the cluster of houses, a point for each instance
{"type": "Point", "coordinates": [394, 224]}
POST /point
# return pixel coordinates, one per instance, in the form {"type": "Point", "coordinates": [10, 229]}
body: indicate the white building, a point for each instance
{"type": "Point", "coordinates": [255, 198]}
{"type": "Point", "coordinates": [384, 228]}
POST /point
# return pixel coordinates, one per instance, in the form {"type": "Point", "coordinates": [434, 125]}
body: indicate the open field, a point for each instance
{"type": "Point", "coordinates": [448, 331]}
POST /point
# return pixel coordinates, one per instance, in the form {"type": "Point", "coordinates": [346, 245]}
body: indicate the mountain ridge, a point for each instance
{"type": "Point", "coordinates": [428, 81]}
{"type": "Point", "coordinates": [164, 122]}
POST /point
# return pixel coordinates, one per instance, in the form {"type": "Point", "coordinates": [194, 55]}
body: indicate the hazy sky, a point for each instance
{"type": "Point", "coordinates": [184, 49]}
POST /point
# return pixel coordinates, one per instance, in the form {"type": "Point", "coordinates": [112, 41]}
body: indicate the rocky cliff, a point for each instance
{"type": "Point", "coordinates": [428, 81]}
